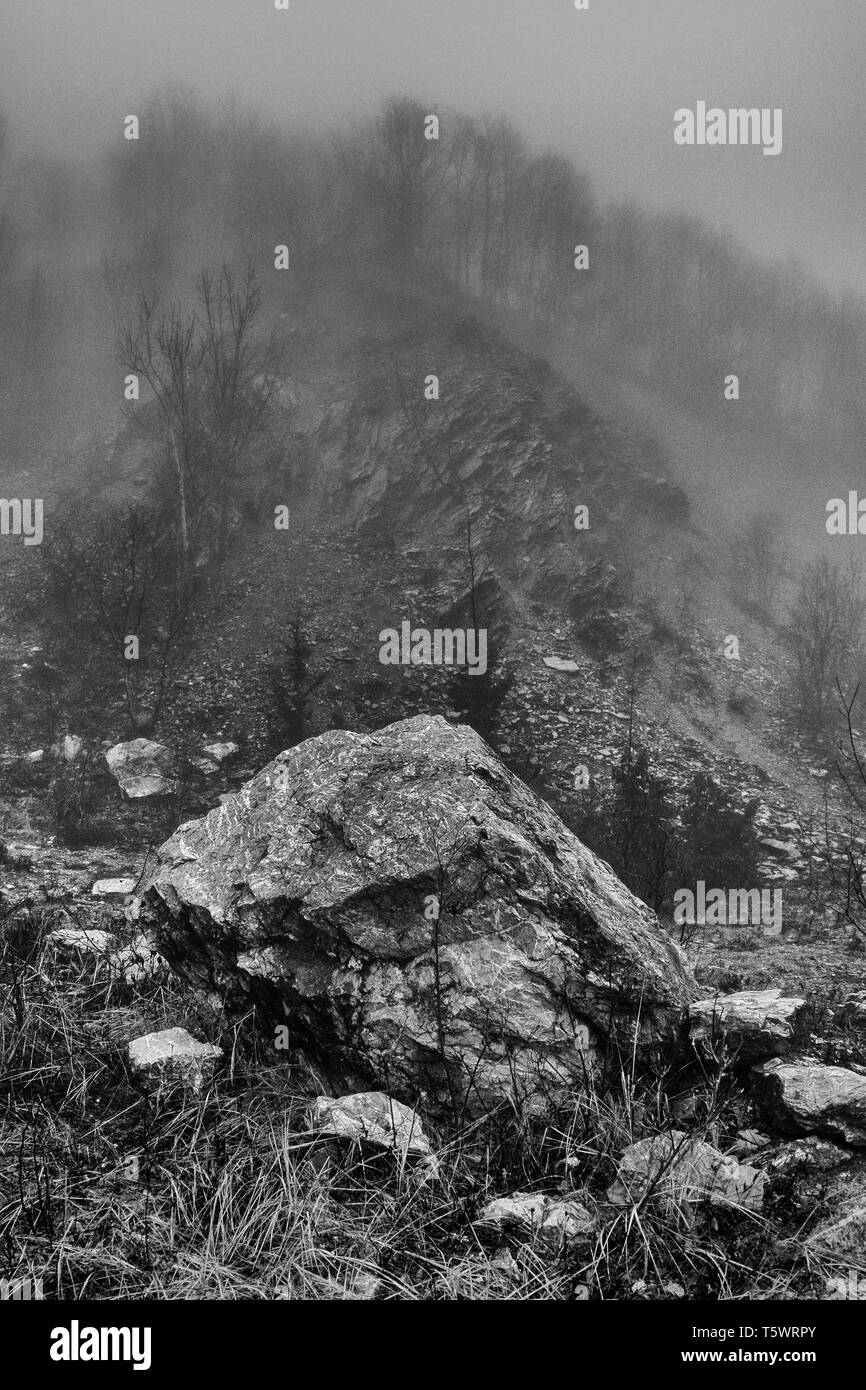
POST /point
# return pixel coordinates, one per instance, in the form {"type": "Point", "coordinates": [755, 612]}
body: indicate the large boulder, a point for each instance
{"type": "Point", "coordinates": [417, 917]}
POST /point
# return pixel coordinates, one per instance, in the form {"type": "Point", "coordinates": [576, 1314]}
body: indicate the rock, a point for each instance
{"type": "Point", "coordinates": [558, 663]}
{"type": "Point", "coordinates": [371, 1117]}
{"type": "Point", "coordinates": [68, 748]}
{"type": "Point", "coordinates": [841, 1231]}
{"type": "Point", "coordinates": [220, 752]}
{"type": "Point", "coordinates": [558, 1221]}
{"type": "Point", "coordinates": [811, 1178]}
{"type": "Point", "coordinates": [800, 1174]}
{"type": "Point", "coordinates": [781, 849]}
{"type": "Point", "coordinates": [36, 756]}
{"type": "Point", "coordinates": [854, 1007]}
{"type": "Point", "coordinates": [134, 963]}
{"type": "Point", "coordinates": [142, 768]}
{"type": "Point", "coordinates": [92, 941]}
{"type": "Point", "coordinates": [753, 1024]}
{"type": "Point", "coordinates": [366, 1285]}
{"type": "Point", "coordinates": [749, 1141]}
{"type": "Point", "coordinates": [505, 1263]}
{"type": "Point", "coordinates": [566, 1221]}
{"type": "Point", "coordinates": [680, 1172]}
{"type": "Point", "coordinates": [522, 1211]}
{"type": "Point", "coordinates": [769, 869]}
{"type": "Point", "coordinates": [113, 887]}
{"type": "Point", "coordinates": [174, 1054]}
{"type": "Point", "coordinates": [809, 1098]}
{"type": "Point", "coordinates": [139, 962]}
{"type": "Point", "coordinates": [809, 1154]}
{"type": "Point", "coordinates": [214, 755]}
{"type": "Point", "coordinates": [314, 890]}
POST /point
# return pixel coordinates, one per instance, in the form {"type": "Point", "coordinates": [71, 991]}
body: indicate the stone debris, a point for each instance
{"type": "Point", "coordinates": [113, 887]}
{"type": "Point", "coordinates": [557, 1221]}
{"type": "Point", "coordinates": [680, 1172]}
{"type": "Point", "coordinates": [142, 768]}
{"type": "Point", "coordinates": [371, 1117]}
{"type": "Point", "coordinates": [753, 1024]}
{"type": "Point", "coordinates": [174, 1055]}
{"type": "Point", "coordinates": [806, 1097]}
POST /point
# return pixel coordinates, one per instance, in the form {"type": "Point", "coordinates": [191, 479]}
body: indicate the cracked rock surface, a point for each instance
{"type": "Point", "coordinates": [807, 1097]}
{"type": "Point", "coordinates": [416, 917]}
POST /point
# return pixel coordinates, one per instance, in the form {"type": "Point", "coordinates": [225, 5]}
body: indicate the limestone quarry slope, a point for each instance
{"type": "Point", "coordinates": [415, 917]}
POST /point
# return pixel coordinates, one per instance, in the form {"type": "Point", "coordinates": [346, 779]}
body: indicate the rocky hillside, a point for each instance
{"type": "Point", "coordinates": [380, 1026]}
{"type": "Point", "coordinates": [453, 510]}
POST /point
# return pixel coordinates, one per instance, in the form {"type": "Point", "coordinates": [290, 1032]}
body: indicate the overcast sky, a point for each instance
{"type": "Point", "coordinates": [601, 86]}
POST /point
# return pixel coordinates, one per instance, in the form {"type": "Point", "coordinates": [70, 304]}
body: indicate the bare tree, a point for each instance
{"type": "Point", "coordinates": [108, 578]}
{"type": "Point", "coordinates": [291, 687]}
{"type": "Point", "coordinates": [500, 169]}
{"type": "Point", "coordinates": [159, 188]}
{"type": "Point", "coordinates": [398, 174]}
{"type": "Point", "coordinates": [758, 558]}
{"type": "Point", "coordinates": [825, 635]}
{"type": "Point", "coordinates": [558, 209]}
{"type": "Point", "coordinates": [851, 903]}
{"type": "Point", "coordinates": [10, 239]}
{"type": "Point", "coordinates": [238, 379]}
{"type": "Point", "coordinates": [160, 348]}
{"type": "Point", "coordinates": [211, 386]}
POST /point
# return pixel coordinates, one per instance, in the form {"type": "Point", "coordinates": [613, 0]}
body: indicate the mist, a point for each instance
{"type": "Point", "coordinates": [599, 86]}
{"type": "Point", "coordinates": [432, 658]}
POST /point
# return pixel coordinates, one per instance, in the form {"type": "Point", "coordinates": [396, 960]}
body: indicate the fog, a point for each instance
{"type": "Point", "coordinates": [432, 656]}
{"type": "Point", "coordinates": [601, 86]}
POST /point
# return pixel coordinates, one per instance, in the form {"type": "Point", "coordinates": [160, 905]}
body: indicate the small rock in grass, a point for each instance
{"type": "Point", "coordinates": [174, 1054]}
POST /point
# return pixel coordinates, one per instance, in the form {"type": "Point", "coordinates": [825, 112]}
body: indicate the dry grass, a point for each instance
{"type": "Point", "coordinates": [110, 1191]}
